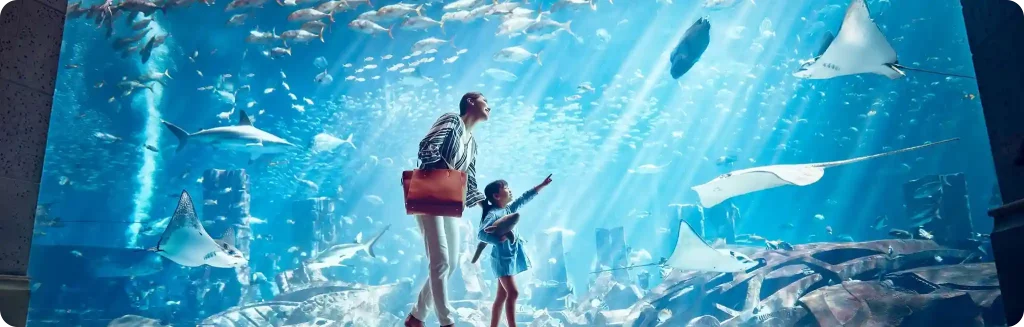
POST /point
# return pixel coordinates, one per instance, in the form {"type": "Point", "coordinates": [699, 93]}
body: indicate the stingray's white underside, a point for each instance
{"type": "Point", "coordinates": [859, 48]}
{"type": "Point", "coordinates": [187, 247]}
{"type": "Point", "coordinates": [187, 243]}
{"type": "Point", "coordinates": [751, 180]}
{"type": "Point", "coordinates": [693, 253]}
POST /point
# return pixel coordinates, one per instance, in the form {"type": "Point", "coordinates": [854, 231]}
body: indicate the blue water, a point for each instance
{"type": "Point", "coordinates": [739, 100]}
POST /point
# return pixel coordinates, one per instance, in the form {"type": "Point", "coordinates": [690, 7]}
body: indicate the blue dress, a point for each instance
{"type": "Point", "coordinates": [507, 258]}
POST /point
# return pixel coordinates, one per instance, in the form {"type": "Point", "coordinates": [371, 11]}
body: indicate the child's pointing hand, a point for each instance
{"type": "Point", "coordinates": [546, 181]}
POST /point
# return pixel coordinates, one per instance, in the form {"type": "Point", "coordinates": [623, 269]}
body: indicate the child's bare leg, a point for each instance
{"type": "Point", "coordinates": [511, 295]}
{"type": "Point", "coordinates": [499, 302]}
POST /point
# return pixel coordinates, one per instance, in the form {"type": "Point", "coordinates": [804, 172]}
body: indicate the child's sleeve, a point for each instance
{"type": "Point", "coordinates": [485, 236]}
{"type": "Point", "coordinates": [523, 199]}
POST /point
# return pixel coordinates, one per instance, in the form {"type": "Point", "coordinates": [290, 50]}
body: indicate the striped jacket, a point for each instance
{"type": "Point", "coordinates": [443, 142]}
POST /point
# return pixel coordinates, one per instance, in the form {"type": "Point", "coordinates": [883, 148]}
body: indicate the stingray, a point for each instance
{"type": "Point", "coordinates": [859, 48]}
{"type": "Point", "coordinates": [693, 253]}
{"type": "Point", "coordinates": [755, 179]}
{"type": "Point", "coordinates": [187, 243]}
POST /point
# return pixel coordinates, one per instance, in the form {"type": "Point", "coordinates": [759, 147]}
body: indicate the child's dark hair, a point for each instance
{"type": "Point", "coordinates": [489, 192]}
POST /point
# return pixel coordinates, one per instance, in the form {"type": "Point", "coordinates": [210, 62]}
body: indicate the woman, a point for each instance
{"type": "Point", "coordinates": [448, 145]}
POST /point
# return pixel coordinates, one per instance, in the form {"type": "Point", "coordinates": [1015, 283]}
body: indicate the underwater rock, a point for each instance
{"type": "Point", "coordinates": [940, 205]}
{"type": "Point", "coordinates": [601, 304]}
{"type": "Point", "coordinates": [372, 306]}
{"type": "Point", "coordinates": [471, 311]}
{"type": "Point", "coordinates": [873, 303]}
{"type": "Point", "coordinates": [770, 295]}
{"type": "Point", "coordinates": [612, 252]}
{"type": "Point", "coordinates": [316, 223]}
{"type": "Point", "coordinates": [551, 295]}
{"type": "Point", "coordinates": [472, 317]}
{"type": "Point", "coordinates": [297, 294]}
{"type": "Point", "coordinates": [553, 290]}
{"type": "Point", "coordinates": [226, 196]}
{"type": "Point", "coordinates": [134, 321]}
{"type": "Point", "coordinates": [979, 280]}
{"type": "Point", "coordinates": [302, 278]}
{"type": "Point", "coordinates": [704, 321]}
{"type": "Point", "coordinates": [542, 318]}
{"type": "Point", "coordinates": [643, 280]}
{"type": "Point", "coordinates": [469, 275]}
{"type": "Point", "coordinates": [622, 296]}
{"type": "Point", "coordinates": [319, 322]}
{"type": "Point", "coordinates": [611, 317]}
{"type": "Point", "coordinates": [720, 222]}
{"type": "Point", "coordinates": [257, 314]}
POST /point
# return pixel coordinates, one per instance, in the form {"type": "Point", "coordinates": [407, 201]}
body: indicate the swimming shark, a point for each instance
{"type": "Point", "coordinates": [335, 255]}
{"type": "Point", "coordinates": [243, 137]}
{"type": "Point", "coordinates": [859, 48]}
{"type": "Point", "coordinates": [693, 253]}
{"type": "Point", "coordinates": [187, 243]}
{"type": "Point", "coordinates": [755, 179]}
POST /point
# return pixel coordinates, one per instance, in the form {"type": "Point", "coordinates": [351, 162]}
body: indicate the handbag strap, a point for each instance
{"type": "Point", "coordinates": [442, 159]}
{"type": "Point", "coordinates": [421, 164]}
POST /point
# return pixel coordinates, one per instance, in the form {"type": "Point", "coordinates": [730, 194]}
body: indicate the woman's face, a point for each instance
{"type": "Point", "coordinates": [482, 109]}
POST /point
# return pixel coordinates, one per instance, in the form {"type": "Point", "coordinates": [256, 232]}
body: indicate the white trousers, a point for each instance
{"type": "Point", "coordinates": [441, 240]}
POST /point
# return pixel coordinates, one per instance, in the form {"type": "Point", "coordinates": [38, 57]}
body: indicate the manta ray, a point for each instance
{"type": "Point", "coordinates": [755, 179]}
{"type": "Point", "coordinates": [859, 48]}
{"type": "Point", "coordinates": [335, 255]}
{"type": "Point", "coordinates": [187, 243]}
{"type": "Point", "coordinates": [693, 253]}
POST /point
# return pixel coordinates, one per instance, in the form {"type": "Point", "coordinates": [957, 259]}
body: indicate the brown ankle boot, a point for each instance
{"type": "Point", "coordinates": [411, 321]}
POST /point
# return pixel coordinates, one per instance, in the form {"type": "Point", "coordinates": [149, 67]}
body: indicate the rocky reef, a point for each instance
{"type": "Point", "coordinates": [877, 283]}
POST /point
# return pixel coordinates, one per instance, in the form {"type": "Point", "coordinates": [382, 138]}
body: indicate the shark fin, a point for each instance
{"type": "Point", "coordinates": [243, 119]}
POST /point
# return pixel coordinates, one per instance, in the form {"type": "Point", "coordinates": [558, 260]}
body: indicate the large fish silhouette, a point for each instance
{"type": "Point", "coordinates": [690, 47]}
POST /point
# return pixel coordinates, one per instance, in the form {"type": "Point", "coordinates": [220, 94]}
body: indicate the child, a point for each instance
{"type": "Point", "coordinates": [507, 257]}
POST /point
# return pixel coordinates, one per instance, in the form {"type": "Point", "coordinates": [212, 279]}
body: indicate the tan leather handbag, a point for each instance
{"type": "Point", "coordinates": [435, 192]}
